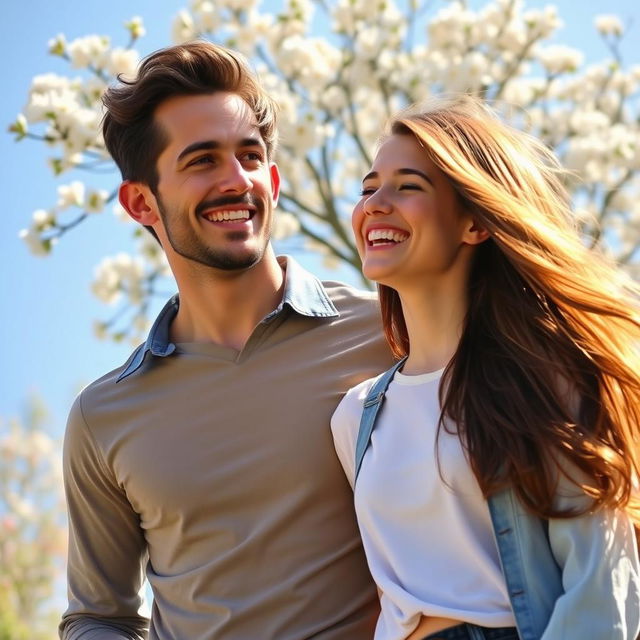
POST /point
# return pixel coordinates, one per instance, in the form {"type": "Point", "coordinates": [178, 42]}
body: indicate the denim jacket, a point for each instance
{"type": "Point", "coordinates": [567, 578]}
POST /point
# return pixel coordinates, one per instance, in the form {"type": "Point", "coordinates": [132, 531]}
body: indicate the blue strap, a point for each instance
{"type": "Point", "coordinates": [371, 406]}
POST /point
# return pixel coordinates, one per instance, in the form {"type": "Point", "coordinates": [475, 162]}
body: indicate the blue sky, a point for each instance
{"type": "Point", "coordinates": [47, 308]}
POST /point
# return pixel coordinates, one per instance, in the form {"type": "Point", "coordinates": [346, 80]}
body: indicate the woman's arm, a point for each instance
{"type": "Point", "coordinates": [598, 558]}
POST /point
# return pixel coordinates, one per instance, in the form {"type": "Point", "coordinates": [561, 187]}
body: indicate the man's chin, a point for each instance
{"type": "Point", "coordinates": [230, 262]}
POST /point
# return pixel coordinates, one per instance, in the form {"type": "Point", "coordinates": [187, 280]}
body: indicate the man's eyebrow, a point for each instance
{"type": "Point", "coordinates": [402, 172]}
{"type": "Point", "coordinates": [212, 145]}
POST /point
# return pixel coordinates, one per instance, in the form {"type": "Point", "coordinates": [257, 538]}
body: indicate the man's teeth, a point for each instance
{"type": "Point", "coordinates": [383, 236]}
{"type": "Point", "coordinates": [221, 216]}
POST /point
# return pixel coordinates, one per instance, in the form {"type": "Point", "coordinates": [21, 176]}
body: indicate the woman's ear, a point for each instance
{"type": "Point", "coordinates": [474, 233]}
{"type": "Point", "coordinates": [139, 202]}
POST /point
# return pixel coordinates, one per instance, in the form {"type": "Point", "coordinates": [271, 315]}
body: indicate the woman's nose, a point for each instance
{"type": "Point", "coordinates": [377, 204]}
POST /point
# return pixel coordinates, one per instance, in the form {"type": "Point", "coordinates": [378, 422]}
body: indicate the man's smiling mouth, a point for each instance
{"type": "Point", "coordinates": [227, 215]}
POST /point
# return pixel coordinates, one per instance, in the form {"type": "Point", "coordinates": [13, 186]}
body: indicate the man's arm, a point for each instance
{"type": "Point", "coordinates": [107, 551]}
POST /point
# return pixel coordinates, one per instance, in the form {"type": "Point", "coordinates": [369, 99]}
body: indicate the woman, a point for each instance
{"type": "Point", "coordinates": [495, 495]}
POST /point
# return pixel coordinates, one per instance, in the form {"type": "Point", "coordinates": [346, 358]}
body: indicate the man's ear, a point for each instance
{"type": "Point", "coordinates": [275, 182]}
{"type": "Point", "coordinates": [139, 202]}
{"type": "Point", "coordinates": [474, 233]}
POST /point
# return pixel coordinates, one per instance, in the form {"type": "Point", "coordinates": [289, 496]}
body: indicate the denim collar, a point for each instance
{"type": "Point", "coordinates": [303, 293]}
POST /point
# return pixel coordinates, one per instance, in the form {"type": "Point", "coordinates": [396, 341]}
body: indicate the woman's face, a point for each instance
{"type": "Point", "coordinates": [408, 223]}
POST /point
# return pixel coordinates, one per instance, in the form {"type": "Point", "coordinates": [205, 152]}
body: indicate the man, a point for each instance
{"type": "Point", "coordinates": [206, 459]}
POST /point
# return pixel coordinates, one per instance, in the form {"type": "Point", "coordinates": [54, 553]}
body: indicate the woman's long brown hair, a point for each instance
{"type": "Point", "coordinates": [545, 383]}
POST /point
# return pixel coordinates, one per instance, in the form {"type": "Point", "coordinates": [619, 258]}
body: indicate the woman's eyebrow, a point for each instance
{"type": "Point", "coordinates": [415, 172]}
{"type": "Point", "coordinates": [402, 172]}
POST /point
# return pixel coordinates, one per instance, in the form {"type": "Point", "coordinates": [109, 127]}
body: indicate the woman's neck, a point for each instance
{"type": "Point", "coordinates": [435, 320]}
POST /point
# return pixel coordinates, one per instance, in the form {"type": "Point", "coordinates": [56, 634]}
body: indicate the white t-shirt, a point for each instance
{"type": "Point", "coordinates": [429, 544]}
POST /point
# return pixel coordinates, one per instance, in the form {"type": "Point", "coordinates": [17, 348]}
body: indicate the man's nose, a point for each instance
{"type": "Point", "coordinates": [234, 178]}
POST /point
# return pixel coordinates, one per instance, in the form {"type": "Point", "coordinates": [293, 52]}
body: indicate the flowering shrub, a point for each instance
{"type": "Point", "coordinates": [32, 527]}
{"type": "Point", "coordinates": [335, 87]}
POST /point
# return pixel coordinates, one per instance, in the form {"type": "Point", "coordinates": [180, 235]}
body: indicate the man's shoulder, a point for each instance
{"type": "Point", "coordinates": [107, 385]}
{"type": "Point", "coordinates": [347, 296]}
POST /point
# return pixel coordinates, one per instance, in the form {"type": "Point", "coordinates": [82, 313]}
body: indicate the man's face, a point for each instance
{"type": "Point", "coordinates": [216, 189]}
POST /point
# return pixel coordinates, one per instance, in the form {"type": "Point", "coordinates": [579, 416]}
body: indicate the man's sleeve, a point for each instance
{"type": "Point", "coordinates": [107, 551]}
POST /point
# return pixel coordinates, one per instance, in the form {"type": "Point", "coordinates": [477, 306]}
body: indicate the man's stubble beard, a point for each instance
{"type": "Point", "coordinates": [190, 246]}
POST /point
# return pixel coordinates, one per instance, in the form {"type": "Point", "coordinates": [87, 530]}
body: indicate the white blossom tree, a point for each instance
{"type": "Point", "coordinates": [338, 69]}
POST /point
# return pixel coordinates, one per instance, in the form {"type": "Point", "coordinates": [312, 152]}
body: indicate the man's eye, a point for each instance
{"type": "Point", "coordinates": [366, 191]}
{"type": "Point", "coordinates": [410, 186]}
{"type": "Point", "coordinates": [253, 156]}
{"type": "Point", "coordinates": [201, 160]}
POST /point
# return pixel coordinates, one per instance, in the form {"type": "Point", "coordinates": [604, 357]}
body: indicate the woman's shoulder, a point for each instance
{"type": "Point", "coordinates": [350, 406]}
{"type": "Point", "coordinates": [345, 424]}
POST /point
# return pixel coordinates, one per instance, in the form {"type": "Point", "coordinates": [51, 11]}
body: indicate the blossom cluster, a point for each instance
{"type": "Point", "coordinates": [335, 87]}
{"type": "Point", "coordinates": [32, 525]}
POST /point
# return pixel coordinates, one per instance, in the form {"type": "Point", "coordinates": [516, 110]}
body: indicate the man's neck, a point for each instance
{"type": "Point", "coordinates": [225, 307]}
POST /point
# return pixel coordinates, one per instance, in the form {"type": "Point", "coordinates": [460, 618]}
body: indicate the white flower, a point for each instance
{"type": "Point", "coordinates": [39, 444]}
{"type": "Point", "coordinates": [511, 41]}
{"type": "Point", "coordinates": [542, 22]}
{"type": "Point", "coordinates": [49, 95]}
{"type": "Point", "coordinates": [89, 50]}
{"type": "Point", "coordinates": [117, 274]}
{"type": "Point", "coordinates": [10, 445]}
{"type": "Point", "coordinates": [71, 195]}
{"type": "Point", "coordinates": [285, 225]}
{"type": "Point", "coordinates": [449, 27]}
{"type": "Point", "coordinates": [303, 135]}
{"type": "Point", "coordinates": [123, 61]}
{"type": "Point", "coordinates": [560, 59]}
{"type": "Point", "coordinates": [35, 243]}
{"type": "Point", "coordinates": [80, 127]}
{"type": "Point", "coordinates": [588, 121]}
{"type": "Point", "coordinates": [208, 17]}
{"type": "Point", "coordinates": [20, 506]}
{"type": "Point", "coordinates": [334, 99]}
{"type": "Point", "coordinates": [609, 25]}
{"type": "Point", "coordinates": [313, 61]}
{"type": "Point", "coordinates": [43, 220]}
{"type": "Point", "coordinates": [522, 91]}
{"type": "Point", "coordinates": [106, 284]}
{"type": "Point", "coordinates": [183, 28]}
{"type": "Point", "coordinates": [95, 200]}
{"type": "Point", "coordinates": [245, 36]}
{"type": "Point", "coordinates": [136, 27]}
{"type": "Point", "coordinates": [20, 127]}
{"type": "Point", "coordinates": [58, 45]}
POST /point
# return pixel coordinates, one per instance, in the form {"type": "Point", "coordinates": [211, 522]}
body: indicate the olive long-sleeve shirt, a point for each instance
{"type": "Point", "coordinates": [213, 473]}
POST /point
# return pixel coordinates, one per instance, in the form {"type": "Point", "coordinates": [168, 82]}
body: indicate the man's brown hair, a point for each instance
{"type": "Point", "coordinates": [132, 137]}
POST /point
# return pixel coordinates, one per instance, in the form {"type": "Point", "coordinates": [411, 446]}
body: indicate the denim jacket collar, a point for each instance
{"type": "Point", "coordinates": [303, 293]}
